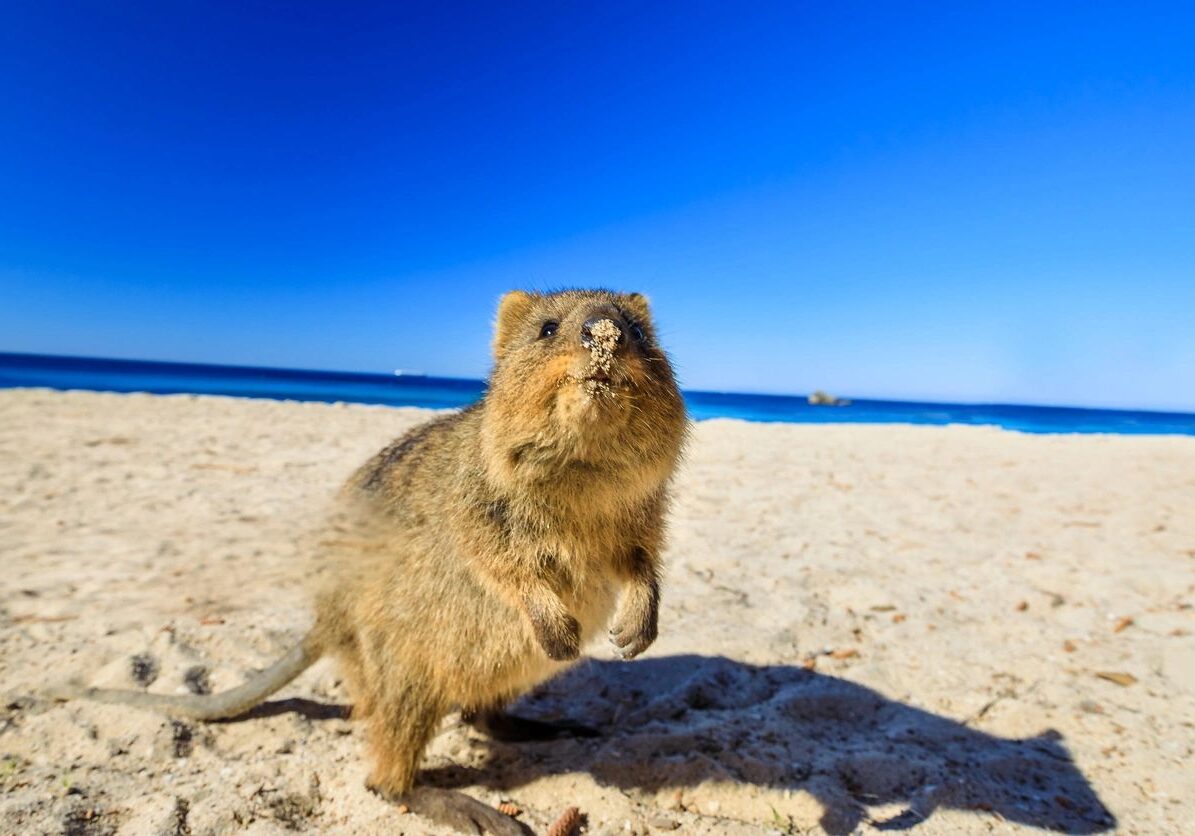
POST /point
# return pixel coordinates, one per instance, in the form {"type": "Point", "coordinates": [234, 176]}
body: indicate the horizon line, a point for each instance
{"type": "Point", "coordinates": [718, 392]}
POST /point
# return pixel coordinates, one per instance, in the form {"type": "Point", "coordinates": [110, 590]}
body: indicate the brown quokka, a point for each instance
{"type": "Point", "coordinates": [491, 544]}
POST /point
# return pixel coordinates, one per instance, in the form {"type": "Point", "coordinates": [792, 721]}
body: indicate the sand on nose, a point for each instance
{"type": "Point", "coordinates": [603, 342]}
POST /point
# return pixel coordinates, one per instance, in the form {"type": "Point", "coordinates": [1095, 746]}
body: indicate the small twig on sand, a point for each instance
{"type": "Point", "coordinates": [568, 823]}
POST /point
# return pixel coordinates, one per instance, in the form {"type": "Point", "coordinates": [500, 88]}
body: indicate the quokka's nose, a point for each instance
{"type": "Point", "coordinates": [602, 329]}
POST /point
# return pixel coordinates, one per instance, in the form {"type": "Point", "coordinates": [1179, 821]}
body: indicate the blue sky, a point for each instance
{"type": "Point", "coordinates": [955, 201]}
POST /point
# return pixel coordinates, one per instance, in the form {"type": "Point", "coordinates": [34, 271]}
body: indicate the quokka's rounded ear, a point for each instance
{"type": "Point", "coordinates": [512, 314]}
{"type": "Point", "coordinates": [636, 303]}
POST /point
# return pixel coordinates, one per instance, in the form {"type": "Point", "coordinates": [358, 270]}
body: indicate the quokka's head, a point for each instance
{"type": "Point", "coordinates": [580, 377]}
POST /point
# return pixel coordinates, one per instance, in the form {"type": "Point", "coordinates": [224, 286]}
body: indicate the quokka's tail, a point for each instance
{"type": "Point", "coordinates": [231, 703]}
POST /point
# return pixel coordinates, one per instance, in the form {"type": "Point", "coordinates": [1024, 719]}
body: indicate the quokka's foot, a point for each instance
{"type": "Point", "coordinates": [511, 728]}
{"type": "Point", "coordinates": [450, 808]}
{"type": "Point", "coordinates": [560, 638]}
{"type": "Point", "coordinates": [634, 634]}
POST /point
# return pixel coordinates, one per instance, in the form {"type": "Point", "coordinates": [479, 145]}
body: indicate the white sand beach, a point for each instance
{"type": "Point", "coordinates": [956, 630]}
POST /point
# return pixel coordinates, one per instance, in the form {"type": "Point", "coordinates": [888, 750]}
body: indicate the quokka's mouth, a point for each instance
{"type": "Point", "coordinates": [594, 377]}
{"type": "Point", "coordinates": [597, 386]}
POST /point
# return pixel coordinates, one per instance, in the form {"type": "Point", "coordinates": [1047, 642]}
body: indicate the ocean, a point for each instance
{"type": "Point", "coordinates": [27, 370]}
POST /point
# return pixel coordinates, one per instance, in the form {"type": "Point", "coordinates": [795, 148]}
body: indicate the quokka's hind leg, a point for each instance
{"type": "Point", "coordinates": [362, 697]}
{"type": "Point", "coordinates": [399, 728]}
{"type": "Point", "coordinates": [400, 720]}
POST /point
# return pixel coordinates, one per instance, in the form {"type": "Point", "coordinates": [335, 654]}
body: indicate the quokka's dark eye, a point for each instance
{"type": "Point", "coordinates": [637, 332]}
{"type": "Point", "coordinates": [548, 329]}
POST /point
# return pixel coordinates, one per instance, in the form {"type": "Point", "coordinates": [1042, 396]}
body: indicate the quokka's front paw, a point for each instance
{"type": "Point", "coordinates": [634, 635]}
{"type": "Point", "coordinates": [560, 637]}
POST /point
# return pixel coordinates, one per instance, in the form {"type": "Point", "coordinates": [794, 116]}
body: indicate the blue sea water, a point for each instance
{"type": "Point", "coordinates": [437, 392]}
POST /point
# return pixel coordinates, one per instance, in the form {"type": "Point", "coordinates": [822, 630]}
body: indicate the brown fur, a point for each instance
{"type": "Point", "coordinates": [503, 535]}
{"type": "Point", "coordinates": [490, 545]}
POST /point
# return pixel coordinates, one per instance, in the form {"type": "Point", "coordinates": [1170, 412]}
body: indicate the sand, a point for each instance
{"type": "Point", "coordinates": [864, 627]}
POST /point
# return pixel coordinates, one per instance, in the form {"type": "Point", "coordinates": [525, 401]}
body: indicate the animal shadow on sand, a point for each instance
{"type": "Point", "coordinates": [677, 721]}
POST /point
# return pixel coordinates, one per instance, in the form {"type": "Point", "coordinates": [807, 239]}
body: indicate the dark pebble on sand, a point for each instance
{"type": "Point", "coordinates": [144, 669]}
{"type": "Point", "coordinates": [181, 739]}
{"type": "Point", "coordinates": [197, 680]}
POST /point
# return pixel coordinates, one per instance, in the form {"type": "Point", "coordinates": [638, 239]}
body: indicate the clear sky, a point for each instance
{"type": "Point", "coordinates": [958, 201]}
